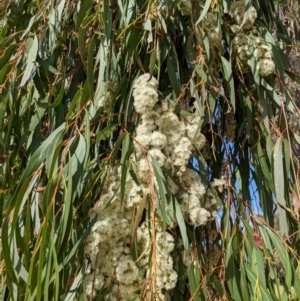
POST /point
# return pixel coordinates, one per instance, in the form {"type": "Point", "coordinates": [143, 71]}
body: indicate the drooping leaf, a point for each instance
{"type": "Point", "coordinates": [31, 51]}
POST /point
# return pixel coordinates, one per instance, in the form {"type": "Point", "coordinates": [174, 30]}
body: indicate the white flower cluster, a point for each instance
{"type": "Point", "coordinates": [190, 200]}
{"type": "Point", "coordinates": [237, 11]}
{"type": "Point", "coordinates": [145, 87]}
{"type": "Point", "coordinates": [213, 30]}
{"type": "Point", "coordinates": [171, 141]}
{"type": "Point", "coordinates": [109, 241]}
{"type": "Point", "coordinates": [262, 52]}
{"type": "Point", "coordinates": [219, 184]}
{"type": "Point", "coordinates": [160, 134]}
{"type": "Point", "coordinates": [185, 7]}
{"type": "Point", "coordinates": [109, 252]}
{"type": "Point", "coordinates": [264, 57]}
{"type": "Point", "coordinates": [163, 272]}
{"type": "Point", "coordinates": [211, 204]}
{"type": "Point", "coordinates": [110, 257]}
{"type": "Point", "coordinates": [107, 247]}
{"type": "Point", "coordinates": [240, 47]}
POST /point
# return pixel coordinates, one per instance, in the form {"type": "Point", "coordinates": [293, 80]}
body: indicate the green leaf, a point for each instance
{"type": "Point", "coordinates": [67, 214]}
{"type": "Point", "coordinates": [6, 253]}
{"type": "Point", "coordinates": [76, 285]}
{"type": "Point", "coordinates": [107, 13]}
{"type": "Point", "coordinates": [31, 51]}
{"type": "Point", "coordinates": [85, 8]}
{"type": "Point", "coordinates": [232, 273]}
{"type": "Point", "coordinates": [74, 102]}
{"type": "Point", "coordinates": [227, 71]}
{"type": "Point", "coordinates": [8, 53]}
{"type": "Point", "coordinates": [204, 11]}
{"type": "Point", "coordinates": [287, 156]}
{"type": "Point", "coordinates": [56, 270]}
{"type": "Point", "coordinates": [90, 66]}
{"type": "Point", "coordinates": [152, 61]}
{"type": "Point", "coordinates": [36, 119]}
{"type": "Point", "coordinates": [181, 223]}
{"type": "Point", "coordinates": [257, 262]}
{"type": "Point", "coordinates": [117, 148]}
{"type": "Point", "coordinates": [282, 253]}
{"type": "Point", "coordinates": [162, 191]}
{"type": "Point", "coordinates": [247, 12]}
{"type": "Point", "coordinates": [264, 167]}
{"type": "Point", "coordinates": [82, 39]}
{"type": "Point", "coordinates": [58, 99]}
{"type": "Point", "coordinates": [264, 109]}
{"type": "Point", "coordinates": [106, 132]}
{"type": "Point", "coordinates": [244, 283]}
{"type": "Point", "coordinates": [52, 154]}
{"type": "Point", "coordinates": [172, 76]}
{"type": "Point", "coordinates": [279, 186]}
{"type": "Point", "coordinates": [43, 247]}
{"type": "Point", "coordinates": [194, 281]}
{"type": "Point", "coordinates": [261, 292]}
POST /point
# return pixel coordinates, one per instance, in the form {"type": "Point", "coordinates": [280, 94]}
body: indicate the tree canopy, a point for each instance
{"type": "Point", "coordinates": [149, 150]}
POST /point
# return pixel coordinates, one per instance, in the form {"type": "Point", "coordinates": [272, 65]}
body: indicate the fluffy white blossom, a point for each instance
{"type": "Point", "coordinates": [194, 134]}
{"type": "Point", "coordinates": [219, 184]}
{"type": "Point", "coordinates": [171, 140]}
{"type": "Point", "coordinates": [142, 142]}
{"type": "Point", "coordinates": [170, 124]}
{"type": "Point", "coordinates": [264, 57]}
{"type": "Point", "coordinates": [237, 12]}
{"type": "Point", "coordinates": [258, 41]}
{"type": "Point", "coordinates": [158, 140]}
{"type": "Point", "coordinates": [144, 169]}
{"type": "Point", "coordinates": [166, 276]}
{"type": "Point", "coordinates": [266, 67]}
{"type": "Point", "coordinates": [185, 7]}
{"type": "Point", "coordinates": [127, 272]}
{"type": "Point", "coordinates": [213, 30]}
{"type": "Point", "coordinates": [240, 48]}
{"type": "Point", "coordinates": [235, 29]}
{"type": "Point", "coordinates": [134, 195]}
{"type": "Point", "coordinates": [144, 93]}
{"type": "Point", "coordinates": [158, 155]}
{"type": "Point", "coordinates": [191, 206]}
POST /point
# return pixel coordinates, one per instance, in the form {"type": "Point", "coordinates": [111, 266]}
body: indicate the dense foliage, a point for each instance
{"type": "Point", "coordinates": [149, 150]}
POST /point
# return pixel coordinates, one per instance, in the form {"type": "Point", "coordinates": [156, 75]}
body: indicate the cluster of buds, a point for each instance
{"type": "Point", "coordinates": [170, 141]}
{"type": "Point", "coordinates": [264, 57]}
{"type": "Point", "coordinates": [213, 30]}
{"type": "Point", "coordinates": [185, 7]}
{"type": "Point", "coordinates": [262, 52]}
{"type": "Point", "coordinates": [240, 40]}
{"type": "Point", "coordinates": [240, 47]}
{"type": "Point", "coordinates": [237, 12]}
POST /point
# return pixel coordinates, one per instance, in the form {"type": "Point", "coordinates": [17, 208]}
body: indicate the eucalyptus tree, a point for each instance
{"type": "Point", "coordinates": [149, 150]}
